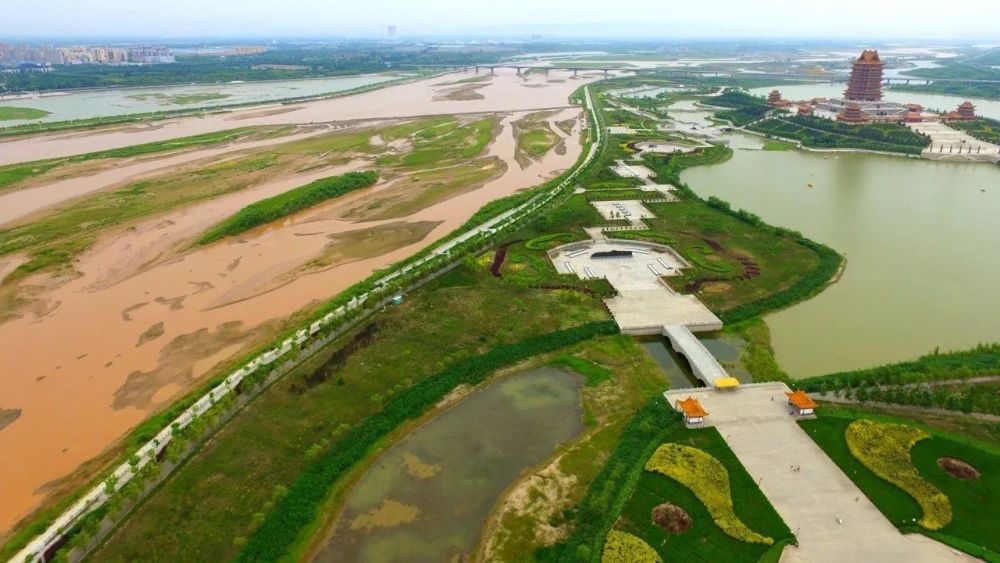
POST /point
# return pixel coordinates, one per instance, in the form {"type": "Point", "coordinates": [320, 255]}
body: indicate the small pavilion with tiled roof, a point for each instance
{"type": "Point", "coordinates": [694, 413]}
{"type": "Point", "coordinates": [801, 403]}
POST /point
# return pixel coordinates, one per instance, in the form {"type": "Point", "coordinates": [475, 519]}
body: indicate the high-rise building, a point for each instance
{"type": "Point", "coordinates": [865, 83]}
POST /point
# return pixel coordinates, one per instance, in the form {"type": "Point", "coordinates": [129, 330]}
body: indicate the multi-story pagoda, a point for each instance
{"type": "Point", "coordinates": [774, 98]}
{"type": "Point", "coordinates": [967, 111]}
{"type": "Point", "coordinates": [865, 83]}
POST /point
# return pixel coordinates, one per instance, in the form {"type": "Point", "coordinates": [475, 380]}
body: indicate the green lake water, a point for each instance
{"type": "Point", "coordinates": [427, 498]}
{"type": "Point", "coordinates": [922, 241]}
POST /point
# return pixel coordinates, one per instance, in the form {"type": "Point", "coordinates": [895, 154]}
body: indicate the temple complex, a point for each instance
{"type": "Point", "coordinates": [863, 103]}
{"type": "Point", "coordinates": [865, 83]}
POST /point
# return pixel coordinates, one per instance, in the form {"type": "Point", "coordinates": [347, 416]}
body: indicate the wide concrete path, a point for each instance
{"type": "Point", "coordinates": [768, 442]}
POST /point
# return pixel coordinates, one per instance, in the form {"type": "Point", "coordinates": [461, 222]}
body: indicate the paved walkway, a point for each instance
{"type": "Point", "coordinates": [768, 442]}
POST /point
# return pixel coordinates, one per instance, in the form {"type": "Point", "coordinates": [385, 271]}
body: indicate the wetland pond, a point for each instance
{"type": "Point", "coordinates": [429, 495]}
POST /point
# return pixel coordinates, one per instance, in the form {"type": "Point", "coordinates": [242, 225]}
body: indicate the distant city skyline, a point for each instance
{"type": "Point", "coordinates": [887, 20]}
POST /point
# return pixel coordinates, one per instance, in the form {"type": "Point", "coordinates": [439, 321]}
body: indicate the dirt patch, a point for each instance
{"type": "Point", "coordinates": [671, 518]}
{"type": "Point", "coordinates": [333, 365]}
{"type": "Point", "coordinates": [498, 259]}
{"type": "Point", "coordinates": [958, 469]}
{"type": "Point", "coordinates": [152, 333]}
{"type": "Point", "coordinates": [418, 467]}
{"type": "Point", "coordinates": [8, 416]}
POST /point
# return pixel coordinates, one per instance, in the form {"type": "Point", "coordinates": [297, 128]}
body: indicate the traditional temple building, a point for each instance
{"type": "Point", "coordinates": [805, 109]}
{"type": "Point", "coordinates": [774, 100]}
{"type": "Point", "coordinates": [694, 413]}
{"type": "Point", "coordinates": [865, 83]}
{"type": "Point", "coordinates": [967, 110]}
{"type": "Point", "coordinates": [801, 404]}
{"type": "Point", "coordinates": [851, 113]}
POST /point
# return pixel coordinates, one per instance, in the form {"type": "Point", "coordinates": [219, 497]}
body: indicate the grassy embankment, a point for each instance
{"type": "Point", "coordinates": [8, 113]}
{"type": "Point", "coordinates": [292, 201]}
{"type": "Point", "coordinates": [442, 162]}
{"type": "Point", "coordinates": [970, 529]}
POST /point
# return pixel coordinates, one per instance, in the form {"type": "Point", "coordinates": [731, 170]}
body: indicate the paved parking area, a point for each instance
{"type": "Point", "coordinates": [755, 422]}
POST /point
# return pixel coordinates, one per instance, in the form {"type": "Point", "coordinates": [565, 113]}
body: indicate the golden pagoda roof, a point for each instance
{"type": "Point", "coordinates": [801, 400]}
{"type": "Point", "coordinates": [869, 56]}
{"type": "Point", "coordinates": [692, 408]}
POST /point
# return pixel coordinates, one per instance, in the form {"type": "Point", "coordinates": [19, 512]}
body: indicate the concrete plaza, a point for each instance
{"type": "Point", "coordinates": [833, 520]}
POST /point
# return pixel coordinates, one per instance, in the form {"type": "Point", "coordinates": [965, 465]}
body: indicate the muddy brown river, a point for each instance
{"type": "Point", "coordinates": [143, 323]}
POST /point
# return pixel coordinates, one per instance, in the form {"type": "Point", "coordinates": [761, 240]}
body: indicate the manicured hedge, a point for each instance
{"type": "Point", "coordinates": [286, 521]}
{"type": "Point", "coordinates": [292, 201]}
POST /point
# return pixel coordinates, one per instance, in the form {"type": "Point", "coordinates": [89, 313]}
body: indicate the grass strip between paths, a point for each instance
{"type": "Point", "coordinates": [284, 524]}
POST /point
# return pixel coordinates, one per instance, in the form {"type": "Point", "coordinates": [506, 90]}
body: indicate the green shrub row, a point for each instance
{"type": "Point", "coordinates": [292, 201]}
{"type": "Point", "coordinates": [285, 522]}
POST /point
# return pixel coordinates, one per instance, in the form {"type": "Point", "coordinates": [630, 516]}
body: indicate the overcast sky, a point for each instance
{"type": "Point", "coordinates": [974, 20]}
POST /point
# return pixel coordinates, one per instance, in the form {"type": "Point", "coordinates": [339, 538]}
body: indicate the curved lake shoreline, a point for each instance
{"type": "Point", "coordinates": [919, 237]}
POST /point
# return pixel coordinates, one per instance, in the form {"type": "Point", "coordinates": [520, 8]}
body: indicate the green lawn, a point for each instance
{"type": "Point", "coordinates": [972, 523]}
{"type": "Point", "coordinates": [8, 113]}
{"type": "Point", "coordinates": [704, 541]}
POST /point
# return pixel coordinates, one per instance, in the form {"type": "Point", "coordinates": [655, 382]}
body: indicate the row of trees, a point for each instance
{"type": "Point", "coordinates": [981, 360]}
{"type": "Point", "coordinates": [965, 398]}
